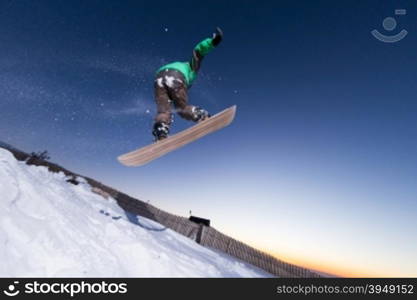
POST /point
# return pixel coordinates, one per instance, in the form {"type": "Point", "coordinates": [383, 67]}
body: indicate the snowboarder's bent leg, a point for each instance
{"type": "Point", "coordinates": [170, 85]}
{"type": "Point", "coordinates": [163, 103]}
{"type": "Point", "coordinates": [189, 112]}
{"type": "Point", "coordinates": [180, 97]}
{"type": "Point", "coordinates": [163, 117]}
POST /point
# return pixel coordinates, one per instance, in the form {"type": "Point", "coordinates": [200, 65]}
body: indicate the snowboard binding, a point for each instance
{"type": "Point", "coordinates": [160, 131]}
{"type": "Point", "coordinates": [200, 114]}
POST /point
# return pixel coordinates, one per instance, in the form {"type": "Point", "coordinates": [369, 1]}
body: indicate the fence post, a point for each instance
{"type": "Point", "coordinates": [200, 233]}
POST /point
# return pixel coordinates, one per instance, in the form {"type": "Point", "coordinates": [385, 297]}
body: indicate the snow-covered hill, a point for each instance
{"type": "Point", "coordinates": [51, 228]}
{"type": "Point", "coordinates": [5, 145]}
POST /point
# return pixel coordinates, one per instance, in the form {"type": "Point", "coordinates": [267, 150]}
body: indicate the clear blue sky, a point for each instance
{"type": "Point", "coordinates": [319, 166]}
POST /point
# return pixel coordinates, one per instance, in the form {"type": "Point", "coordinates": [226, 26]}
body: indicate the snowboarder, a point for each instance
{"type": "Point", "coordinates": [172, 83]}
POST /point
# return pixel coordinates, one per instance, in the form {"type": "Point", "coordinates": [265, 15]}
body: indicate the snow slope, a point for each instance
{"type": "Point", "coordinates": [50, 228]}
{"type": "Point", "coordinates": [5, 145]}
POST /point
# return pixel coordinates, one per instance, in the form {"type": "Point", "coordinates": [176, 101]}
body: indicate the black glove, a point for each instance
{"type": "Point", "coordinates": [217, 37]}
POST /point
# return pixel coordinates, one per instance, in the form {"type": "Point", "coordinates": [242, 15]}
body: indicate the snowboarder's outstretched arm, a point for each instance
{"type": "Point", "coordinates": [204, 47]}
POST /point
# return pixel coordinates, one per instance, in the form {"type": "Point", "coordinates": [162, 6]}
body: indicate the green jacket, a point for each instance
{"type": "Point", "coordinates": [190, 69]}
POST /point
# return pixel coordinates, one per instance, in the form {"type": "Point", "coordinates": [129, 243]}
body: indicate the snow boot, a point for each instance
{"type": "Point", "coordinates": [160, 131]}
{"type": "Point", "coordinates": [200, 114]}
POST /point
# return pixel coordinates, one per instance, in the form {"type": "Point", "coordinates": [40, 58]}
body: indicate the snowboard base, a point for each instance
{"type": "Point", "coordinates": [148, 153]}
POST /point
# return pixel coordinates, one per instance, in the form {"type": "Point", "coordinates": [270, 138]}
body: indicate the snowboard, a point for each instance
{"type": "Point", "coordinates": [153, 151]}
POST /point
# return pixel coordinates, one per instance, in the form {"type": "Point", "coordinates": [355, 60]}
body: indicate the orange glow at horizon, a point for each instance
{"type": "Point", "coordinates": [305, 261]}
{"type": "Point", "coordinates": [340, 271]}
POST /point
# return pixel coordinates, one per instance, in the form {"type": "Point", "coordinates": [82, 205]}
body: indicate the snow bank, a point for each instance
{"type": "Point", "coordinates": [50, 228]}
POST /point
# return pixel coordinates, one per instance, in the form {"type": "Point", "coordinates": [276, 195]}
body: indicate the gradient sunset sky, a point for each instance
{"type": "Point", "coordinates": [319, 167]}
